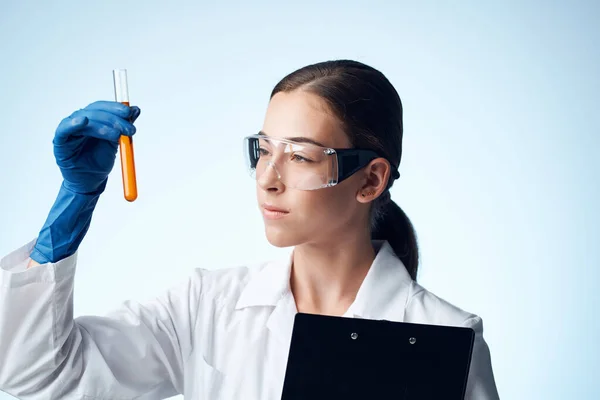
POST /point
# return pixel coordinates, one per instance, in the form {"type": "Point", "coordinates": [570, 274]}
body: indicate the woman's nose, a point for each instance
{"type": "Point", "coordinates": [270, 179]}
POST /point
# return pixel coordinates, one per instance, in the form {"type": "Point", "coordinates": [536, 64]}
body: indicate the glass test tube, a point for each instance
{"type": "Point", "coordinates": [125, 142]}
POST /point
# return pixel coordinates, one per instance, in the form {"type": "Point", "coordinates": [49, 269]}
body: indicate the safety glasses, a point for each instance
{"type": "Point", "coordinates": [303, 166]}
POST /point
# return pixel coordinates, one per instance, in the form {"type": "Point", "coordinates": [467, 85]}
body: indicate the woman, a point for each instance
{"type": "Point", "coordinates": [224, 334]}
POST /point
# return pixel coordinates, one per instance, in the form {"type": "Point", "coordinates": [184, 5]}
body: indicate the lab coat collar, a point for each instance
{"type": "Point", "coordinates": [382, 295]}
{"type": "Point", "coordinates": [385, 290]}
{"type": "Point", "coordinates": [268, 286]}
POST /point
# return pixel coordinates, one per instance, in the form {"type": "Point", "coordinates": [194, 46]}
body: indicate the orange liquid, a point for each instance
{"type": "Point", "coordinates": [128, 166]}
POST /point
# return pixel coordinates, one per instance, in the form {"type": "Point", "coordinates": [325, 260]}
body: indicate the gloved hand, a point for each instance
{"type": "Point", "coordinates": [85, 144]}
{"type": "Point", "coordinates": [85, 148]}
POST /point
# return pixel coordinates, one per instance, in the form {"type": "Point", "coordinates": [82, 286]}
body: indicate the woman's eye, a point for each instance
{"type": "Point", "coordinates": [299, 158]}
{"type": "Point", "coordinates": [263, 152]}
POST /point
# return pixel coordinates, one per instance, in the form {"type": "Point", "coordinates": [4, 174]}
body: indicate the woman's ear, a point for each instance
{"type": "Point", "coordinates": [376, 177]}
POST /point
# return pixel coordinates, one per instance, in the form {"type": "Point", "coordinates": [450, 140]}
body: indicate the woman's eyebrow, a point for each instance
{"type": "Point", "coordinates": [299, 139]}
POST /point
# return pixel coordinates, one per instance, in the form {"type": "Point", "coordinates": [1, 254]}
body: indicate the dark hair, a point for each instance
{"type": "Point", "coordinates": [370, 110]}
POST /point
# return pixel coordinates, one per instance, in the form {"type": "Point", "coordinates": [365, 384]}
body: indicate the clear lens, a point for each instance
{"type": "Point", "coordinates": [301, 166]}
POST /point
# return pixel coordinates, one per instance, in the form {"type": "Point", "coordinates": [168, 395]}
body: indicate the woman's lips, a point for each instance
{"type": "Point", "coordinates": [272, 212]}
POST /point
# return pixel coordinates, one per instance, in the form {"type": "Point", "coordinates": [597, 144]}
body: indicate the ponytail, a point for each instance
{"type": "Point", "coordinates": [392, 224]}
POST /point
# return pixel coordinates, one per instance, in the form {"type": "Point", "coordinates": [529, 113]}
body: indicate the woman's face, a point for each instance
{"type": "Point", "coordinates": [311, 216]}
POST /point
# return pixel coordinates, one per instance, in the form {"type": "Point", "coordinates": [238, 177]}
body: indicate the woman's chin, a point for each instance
{"type": "Point", "coordinates": [281, 238]}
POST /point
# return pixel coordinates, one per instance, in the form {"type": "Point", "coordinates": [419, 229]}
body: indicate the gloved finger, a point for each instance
{"type": "Point", "coordinates": [111, 120]}
{"type": "Point", "coordinates": [113, 107]}
{"type": "Point", "coordinates": [135, 113]}
{"type": "Point", "coordinates": [68, 127]}
{"type": "Point", "coordinates": [131, 114]}
{"type": "Point", "coordinates": [101, 131]}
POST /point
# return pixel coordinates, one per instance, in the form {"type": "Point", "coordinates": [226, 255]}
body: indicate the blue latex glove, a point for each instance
{"type": "Point", "coordinates": [85, 144]}
{"type": "Point", "coordinates": [85, 148]}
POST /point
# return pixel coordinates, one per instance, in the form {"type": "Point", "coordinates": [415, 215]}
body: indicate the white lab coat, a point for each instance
{"type": "Point", "coordinates": [221, 335]}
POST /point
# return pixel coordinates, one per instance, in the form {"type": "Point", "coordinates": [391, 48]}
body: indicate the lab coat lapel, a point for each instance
{"type": "Point", "coordinates": [267, 289]}
{"type": "Point", "coordinates": [281, 321]}
{"type": "Point", "coordinates": [271, 287]}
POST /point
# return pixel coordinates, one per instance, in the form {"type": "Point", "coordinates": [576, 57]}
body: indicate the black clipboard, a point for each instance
{"type": "Point", "coordinates": [342, 358]}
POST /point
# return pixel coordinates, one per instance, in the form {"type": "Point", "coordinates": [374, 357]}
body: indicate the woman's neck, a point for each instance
{"type": "Point", "coordinates": [325, 277]}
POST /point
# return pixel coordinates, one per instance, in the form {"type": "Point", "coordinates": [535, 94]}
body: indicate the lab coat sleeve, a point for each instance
{"type": "Point", "coordinates": [481, 384]}
{"type": "Point", "coordinates": [138, 351]}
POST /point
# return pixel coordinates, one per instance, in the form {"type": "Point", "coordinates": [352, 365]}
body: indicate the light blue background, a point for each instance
{"type": "Point", "coordinates": [500, 173]}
